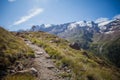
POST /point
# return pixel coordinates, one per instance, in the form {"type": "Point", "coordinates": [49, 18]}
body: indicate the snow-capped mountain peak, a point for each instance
{"type": "Point", "coordinates": [47, 25]}
{"type": "Point", "coordinates": [81, 24]}
{"type": "Point", "coordinates": [76, 24]}
{"type": "Point", "coordinates": [102, 26]}
{"type": "Point", "coordinates": [104, 23]}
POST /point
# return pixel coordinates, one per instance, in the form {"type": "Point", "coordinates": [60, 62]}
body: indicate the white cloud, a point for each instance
{"type": "Point", "coordinates": [100, 20]}
{"type": "Point", "coordinates": [32, 13]}
{"type": "Point", "coordinates": [11, 0]}
{"type": "Point", "coordinates": [117, 16]}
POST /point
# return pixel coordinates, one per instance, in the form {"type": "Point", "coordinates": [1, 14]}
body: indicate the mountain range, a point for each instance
{"type": "Point", "coordinates": [82, 31]}
{"type": "Point", "coordinates": [88, 35]}
{"type": "Point", "coordinates": [104, 26]}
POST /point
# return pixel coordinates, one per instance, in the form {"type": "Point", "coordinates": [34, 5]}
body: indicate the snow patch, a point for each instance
{"type": "Point", "coordinates": [81, 23]}
{"type": "Point", "coordinates": [47, 25]}
{"type": "Point", "coordinates": [101, 20]}
{"type": "Point", "coordinates": [109, 32]}
{"type": "Point", "coordinates": [104, 23]}
{"type": "Point", "coordinates": [77, 24]}
{"type": "Point", "coordinates": [72, 26]}
{"type": "Point", "coordinates": [117, 17]}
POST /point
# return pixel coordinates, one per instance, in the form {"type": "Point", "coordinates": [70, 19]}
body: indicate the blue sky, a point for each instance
{"type": "Point", "coordinates": [22, 14]}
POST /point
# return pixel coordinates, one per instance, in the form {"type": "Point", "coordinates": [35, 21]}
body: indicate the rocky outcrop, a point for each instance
{"type": "Point", "coordinates": [75, 45]}
{"type": "Point", "coordinates": [31, 71]}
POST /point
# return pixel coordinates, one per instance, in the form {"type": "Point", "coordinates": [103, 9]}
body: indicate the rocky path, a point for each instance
{"type": "Point", "coordinates": [44, 65]}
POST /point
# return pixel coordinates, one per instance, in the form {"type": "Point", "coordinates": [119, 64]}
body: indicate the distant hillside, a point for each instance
{"type": "Point", "coordinates": [78, 64]}
{"type": "Point", "coordinates": [12, 49]}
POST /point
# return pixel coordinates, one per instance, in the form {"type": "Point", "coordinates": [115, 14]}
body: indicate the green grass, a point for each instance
{"type": "Point", "coordinates": [20, 77]}
{"type": "Point", "coordinates": [12, 49]}
{"type": "Point", "coordinates": [83, 65]}
{"type": "Point", "coordinates": [65, 74]}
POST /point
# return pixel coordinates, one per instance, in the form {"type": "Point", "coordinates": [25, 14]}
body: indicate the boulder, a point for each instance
{"type": "Point", "coordinates": [32, 71]}
{"type": "Point", "coordinates": [75, 45]}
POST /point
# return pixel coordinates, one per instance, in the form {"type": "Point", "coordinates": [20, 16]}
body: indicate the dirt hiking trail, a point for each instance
{"type": "Point", "coordinates": [44, 65]}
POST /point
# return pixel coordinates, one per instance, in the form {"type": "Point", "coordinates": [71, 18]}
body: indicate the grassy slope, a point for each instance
{"type": "Point", "coordinates": [12, 49]}
{"type": "Point", "coordinates": [84, 65]}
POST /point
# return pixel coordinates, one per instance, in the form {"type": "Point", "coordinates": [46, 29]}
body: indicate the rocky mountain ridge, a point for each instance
{"type": "Point", "coordinates": [83, 32]}
{"type": "Point", "coordinates": [88, 25]}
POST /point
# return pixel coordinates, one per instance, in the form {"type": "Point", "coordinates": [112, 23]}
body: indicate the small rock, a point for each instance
{"type": "Point", "coordinates": [50, 67]}
{"type": "Point", "coordinates": [20, 66]}
{"type": "Point", "coordinates": [65, 68]}
{"type": "Point", "coordinates": [39, 53]}
{"type": "Point", "coordinates": [12, 71]}
{"type": "Point", "coordinates": [51, 41]}
{"type": "Point", "coordinates": [47, 57]}
{"type": "Point", "coordinates": [26, 40]}
{"type": "Point", "coordinates": [68, 71]}
{"type": "Point", "coordinates": [57, 71]}
{"type": "Point", "coordinates": [32, 71]}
